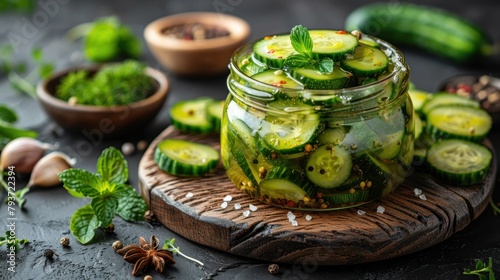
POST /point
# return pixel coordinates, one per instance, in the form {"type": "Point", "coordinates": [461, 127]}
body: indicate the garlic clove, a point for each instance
{"type": "Point", "coordinates": [23, 153]}
{"type": "Point", "coordinates": [45, 173]}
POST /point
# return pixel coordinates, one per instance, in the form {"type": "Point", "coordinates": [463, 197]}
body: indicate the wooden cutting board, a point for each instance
{"type": "Point", "coordinates": [407, 225]}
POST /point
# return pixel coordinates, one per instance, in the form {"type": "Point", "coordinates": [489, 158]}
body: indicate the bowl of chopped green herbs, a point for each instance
{"type": "Point", "coordinates": [108, 100]}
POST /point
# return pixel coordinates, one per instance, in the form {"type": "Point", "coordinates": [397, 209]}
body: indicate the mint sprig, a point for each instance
{"type": "Point", "coordinates": [303, 44]}
{"type": "Point", "coordinates": [109, 192]}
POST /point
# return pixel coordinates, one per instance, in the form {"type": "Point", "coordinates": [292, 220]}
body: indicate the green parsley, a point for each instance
{"type": "Point", "coordinates": [109, 193]}
{"type": "Point", "coordinates": [303, 44]}
{"type": "Point", "coordinates": [483, 271]}
{"type": "Point", "coordinates": [106, 39]}
{"type": "Point", "coordinates": [116, 84]}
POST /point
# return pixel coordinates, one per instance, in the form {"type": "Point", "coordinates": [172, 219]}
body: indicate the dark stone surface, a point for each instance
{"type": "Point", "coordinates": [47, 213]}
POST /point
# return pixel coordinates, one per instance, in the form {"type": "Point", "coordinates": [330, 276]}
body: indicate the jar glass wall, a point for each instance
{"type": "Point", "coordinates": [317, 149]}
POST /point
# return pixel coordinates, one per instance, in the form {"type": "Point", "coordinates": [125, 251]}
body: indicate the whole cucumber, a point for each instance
{"type": "Point", "coordinates": [428, 28]}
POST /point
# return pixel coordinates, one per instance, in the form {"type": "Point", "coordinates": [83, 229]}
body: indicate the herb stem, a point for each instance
{"type": "Point", "coordinates": [189, 258]}
{"type": "Point", "coordinates": [22, 85]}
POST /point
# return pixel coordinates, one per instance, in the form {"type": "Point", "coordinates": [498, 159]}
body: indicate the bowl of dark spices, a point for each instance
{"type": "Point", "coordinates": [483, 88]}
{"type": "Point", "coordinates": [104, 101]}
{"type": "Point", "coordinates": [196, 43]}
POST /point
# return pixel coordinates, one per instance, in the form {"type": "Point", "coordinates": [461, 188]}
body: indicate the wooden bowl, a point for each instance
{"type": "Point", "coordinates": [199, 57]}
{"type": "Point", "coordinates": [102, 122]}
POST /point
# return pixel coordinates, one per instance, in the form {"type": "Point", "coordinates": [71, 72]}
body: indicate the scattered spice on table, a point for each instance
{"type": "Point", "coordinates": [64, 241]}
{"type": "Point", "coordinates": [273, 268]}
{"type": "Point", "coordinates": [485, 89]}
{"type": "Point", "coordinates": [146, 254]}
{"type": "Point", "coordinates": [195, 31]}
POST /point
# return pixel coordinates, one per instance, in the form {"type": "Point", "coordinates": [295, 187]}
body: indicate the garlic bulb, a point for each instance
{"type": "Point", "coordinates": [45, 173]}
{"type": "Point", "coordinates": [23, 153]}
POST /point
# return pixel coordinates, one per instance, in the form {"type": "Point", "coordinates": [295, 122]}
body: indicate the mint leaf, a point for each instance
{"type": "Point", "coordinates": [11, 132]}
{"type": "Point", "coordinates": [81, 181]}
{"type": "Point", "coordinates": [112, 166]}
{"type": "Point", "coordinates": [325, 66]}
{"type": "Point", "coordinates": [83, 224]}
{"type": "Point", "coordinates": [122, 190]}
{"type": "Point", "coordinates": [296, 61]}
{"type": "Point", "coordinates": [301, 40]}
{"type": "Point", "coordinates": [132, 208]}
{"type": "Point", "coordinates": [105, 208]}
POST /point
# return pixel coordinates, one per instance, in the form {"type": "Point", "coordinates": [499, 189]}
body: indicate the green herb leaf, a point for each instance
{"type": "Point", "coordinates": [301, 40]}
{"type": "Point", "coordinates": [132, 208]}
{"type": "Point", "coordinates": [169, 245]}
{"type": "Point", "coordinates": [81, 181]}
{"type": "Point", "coordinates": [326, 65]}
{"type": "Point", "coordinates": [296, 61]}
{"type": "Point", "coordinates": [112, 166]}
{"type": "Point", "coordinates": [83, 224]}
{"type": "Point", "coordinates": [7, 114]}
{"type": "Point", "coordinates": [37, 54]}
{"type": "Point", "coordinates": [482, 271]}
{"type": "Point", "coordinates": [105, 208]}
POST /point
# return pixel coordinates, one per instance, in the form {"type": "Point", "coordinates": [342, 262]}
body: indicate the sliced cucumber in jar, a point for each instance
{"type": "Point", "coordinates": [314, 79]}
{"type": "Point", "coordinates": [273, 50]}
{"type": "Point", "coordinates": [185, 158]}
{"type": "Point", "coordinates": [290, 135]}
{"type": "Point", "coordinates": [191, 115]}
{"type": "Point", "coordinates": [455, 121]}
{"type": "Point", "coordinates": [329, 166]}
{"type": "Point", "coordinates": [332, 44]}
{"type": "Point", "coordinates": [366, 62]}
{"type": "Point", "coordinates": [276, 78]}
{"type": "Point", "coordinates": [418, 98]}
{"type": "Point", "coordinates": [459, 162]}
{"type": "Point", "coordinates": [347, 198]}
{"type": "Point", "coordinates": [281, 189]}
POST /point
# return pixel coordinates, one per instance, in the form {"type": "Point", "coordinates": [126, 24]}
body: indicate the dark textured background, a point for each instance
{"type": "Point", "coordinates": [47, 213]}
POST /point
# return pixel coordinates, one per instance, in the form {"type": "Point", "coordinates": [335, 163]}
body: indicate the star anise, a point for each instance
{"type": "Point", "coordinates": [144, 255]}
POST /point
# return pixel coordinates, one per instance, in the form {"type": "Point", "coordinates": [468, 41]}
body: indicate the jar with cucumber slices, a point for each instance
{"type": "Point", "coordinates": [317, 119]}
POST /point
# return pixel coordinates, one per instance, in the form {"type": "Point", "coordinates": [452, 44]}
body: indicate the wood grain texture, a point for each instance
{"type": "Point", "coordinates": [340, 237]}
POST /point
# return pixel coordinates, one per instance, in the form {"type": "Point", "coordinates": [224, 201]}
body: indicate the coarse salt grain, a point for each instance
{"type": "Point", "coordinates": [252, 207]}
{"type": "Point", "coordinates": [361, 212]}
{"type": "Point", "coordinates": [228, 198]}
{"type": "Point", "coordinates": [294, 223]}
{"type": "Point", "coordinates": [246, 213]}
{"type": "Point", "coordinates": [237, 206]}
{"type": "Point", "coordinates": [417, 191]}
{"type": "Point", "coordinates": [223, 205]}
{"type": "Point", "coordinates": [422, 196]}
{"type": "Point", "coordinates": [290, 215]}
{"type": "Point", "coordinates": [380, 209]}
{"type": "Point", "coordinates": [309, 217]}
{"type": "Point", "coordinates": [189, 195]}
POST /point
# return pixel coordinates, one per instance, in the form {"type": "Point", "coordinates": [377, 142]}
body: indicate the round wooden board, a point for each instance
{"type": "Point", "coordinates": [341, 237]}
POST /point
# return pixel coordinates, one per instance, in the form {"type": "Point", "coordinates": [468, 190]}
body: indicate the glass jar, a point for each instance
{"type": "Point", "coordinates": [317, 149]}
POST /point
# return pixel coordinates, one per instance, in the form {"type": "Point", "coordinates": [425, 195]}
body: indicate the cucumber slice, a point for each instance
{"type": "Point", "coordinates": [455, 121]}
{"type": "Point", "coordinates": [418, 98]}
{"type": "Point", "coordinates": [191, 115]}
{"type": "Point", "coordinates": [332, 136]}
{"type": "Point", "coordinates": [250, 67]}
{"type": "Point", "coordinates": [276, 78]}
{"type": "Point", "coordinates": [185, 158]}
{"type": "Point", "coordinates": [347, 198]}
{"type": "Point", "coordinates": [273, 50]}
{"type": "Point", "coordinates": [329, 166]}
{"type": "Point", "coordinates": [314, 79]}
{"type": "Point", "coordinates": [369, 42]}
{"type": "Point", "coordinates": [391, 145]}
{"type": "Point", "coordinates": [281, 189]}
{"type": "Point", "coordinates": [332, 44]}
{"type": "Point", "coordinates": [366, 62]}
{"type": "Point", "coordinates": [290, 135]}
{"type": "Point", "coordinates": [444, 98]}
{"type": "Point", "coordinates": [214, 110]}
{"type": "Point", "coordinates": [459, 161]}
